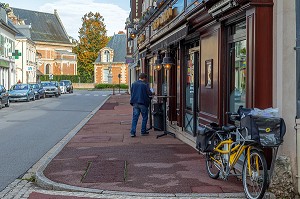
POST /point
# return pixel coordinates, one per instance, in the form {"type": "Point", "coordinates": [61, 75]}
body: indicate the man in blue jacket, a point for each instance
{"type": "Point", "coordinates": [140, 100]}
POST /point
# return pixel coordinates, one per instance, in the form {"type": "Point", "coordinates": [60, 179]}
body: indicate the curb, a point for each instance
{"type": "Point", "coordinates": [43, 182]}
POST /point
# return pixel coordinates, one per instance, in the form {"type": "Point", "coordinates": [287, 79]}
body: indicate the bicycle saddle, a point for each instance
{"type": "Point", "coordinates": [229, 128]}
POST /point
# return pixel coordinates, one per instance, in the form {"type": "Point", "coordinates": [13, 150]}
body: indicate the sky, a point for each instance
{"type": "Point", "coordinates": [70, 12]}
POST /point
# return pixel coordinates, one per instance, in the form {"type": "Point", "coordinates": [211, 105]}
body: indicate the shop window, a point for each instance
{"type": "Point", "coordinates": [238, 68]}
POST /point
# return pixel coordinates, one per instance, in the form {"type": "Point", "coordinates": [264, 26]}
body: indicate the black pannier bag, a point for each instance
{"type": "Point", "coordinates": [267, 131]}
{"type": "Point", "coordinates": [204, 141]}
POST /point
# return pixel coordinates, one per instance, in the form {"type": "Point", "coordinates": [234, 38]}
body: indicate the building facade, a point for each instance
{"type": "Point", "coordinates": [52, 42]}
{"type": "Point", "coordinates": [7, 48]}
{"type": "Point", "coordinates": [110, 65]}
{"type": "Point", "coordinates": [223, 54]}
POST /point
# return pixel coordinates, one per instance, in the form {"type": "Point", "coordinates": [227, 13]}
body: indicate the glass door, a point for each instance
{"type": "Point", "coordinates": [191, 91]}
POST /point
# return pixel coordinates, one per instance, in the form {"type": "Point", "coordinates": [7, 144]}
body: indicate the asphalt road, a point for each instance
{"type": "Point", "coordinates": [29, 129]}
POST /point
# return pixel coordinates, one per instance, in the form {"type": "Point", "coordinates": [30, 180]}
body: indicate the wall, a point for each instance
{"type": "Point", "coordinates": [284, 75]}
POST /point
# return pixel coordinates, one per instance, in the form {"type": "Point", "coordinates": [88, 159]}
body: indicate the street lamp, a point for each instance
{"type": "Point", "coordinates": [167, 61]}
{"type": "Point", "coordinates": [157, 63]}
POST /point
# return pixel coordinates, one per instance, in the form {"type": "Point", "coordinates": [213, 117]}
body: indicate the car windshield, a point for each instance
{"type": "Point", "coordinates": [61, 84]}
{"type": "Point", "coordinates": [67, 83]}
{"type": "Point", "coordinates": [34, 86]}
{"type": "Point", "coordinates": [20, 87]}
{"type": "Point", "coordinates": [48, 84]}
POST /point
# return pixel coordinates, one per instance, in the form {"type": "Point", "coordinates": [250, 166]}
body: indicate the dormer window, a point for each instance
{"type": "Point", "coordinates": [106, 56]}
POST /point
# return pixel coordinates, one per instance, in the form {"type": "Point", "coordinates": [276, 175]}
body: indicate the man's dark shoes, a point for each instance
{"type": "Point", "coordinates": [132, 135]}
{"type": "Point", "coordinates": [145, 133]}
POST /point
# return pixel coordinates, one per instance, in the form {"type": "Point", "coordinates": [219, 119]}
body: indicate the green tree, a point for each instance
{"type": "Point", "coordinates": [92, 37]}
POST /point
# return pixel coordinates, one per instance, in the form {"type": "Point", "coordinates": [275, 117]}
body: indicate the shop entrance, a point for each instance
{"type": "Point", "coordinates": [191, 91]}
{"type": "Point", "coordinates": [237, 66]}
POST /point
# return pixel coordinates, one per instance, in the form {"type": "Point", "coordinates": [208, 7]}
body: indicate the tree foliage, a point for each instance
{"type": "Point", "coordinates": [92, 37]}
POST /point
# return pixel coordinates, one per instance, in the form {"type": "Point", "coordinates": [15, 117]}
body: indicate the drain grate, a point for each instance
{"type": "Point", "coordinates": [105, 171]}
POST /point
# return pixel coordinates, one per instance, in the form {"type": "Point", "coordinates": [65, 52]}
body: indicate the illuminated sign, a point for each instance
{"type": "Point", "coordinates": [165, 17]}
{"type": "Point", "coordinates": [141, 38]}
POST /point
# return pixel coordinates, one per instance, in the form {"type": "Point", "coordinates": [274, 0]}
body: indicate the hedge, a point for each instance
{"type": "Point", "coordinates": [103, 86]}
{"type": "Point", "coordinates": [73, 78]}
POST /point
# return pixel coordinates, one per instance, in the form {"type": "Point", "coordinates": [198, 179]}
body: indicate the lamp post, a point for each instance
{"type": "Point", "coordinates": [109, 76]}
{"type": "Point", "coordinates": [167, 64]}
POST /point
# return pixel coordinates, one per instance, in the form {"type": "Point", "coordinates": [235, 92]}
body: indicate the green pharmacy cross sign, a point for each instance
{"type": "Point", "coordinates": [16, 54]}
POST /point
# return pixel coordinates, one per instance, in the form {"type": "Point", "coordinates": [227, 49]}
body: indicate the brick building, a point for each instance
{"type": "Point", "coordinates": [52, 42]}
{"type": "Point", "coordinates": [110, 62]}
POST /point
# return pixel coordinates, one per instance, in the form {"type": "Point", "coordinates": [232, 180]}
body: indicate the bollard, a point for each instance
{"type": "Point", "coordinates": [113, 90]}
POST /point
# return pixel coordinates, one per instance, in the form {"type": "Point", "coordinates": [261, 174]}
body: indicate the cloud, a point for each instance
{"type": "Point", "coordinates": [71, 12]}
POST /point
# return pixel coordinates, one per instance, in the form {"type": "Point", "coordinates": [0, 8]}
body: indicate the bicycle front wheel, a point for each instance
{"type": "Point", "coordinates": [255, 175]}
{"type": "Point", "coordinates": [211, 165]}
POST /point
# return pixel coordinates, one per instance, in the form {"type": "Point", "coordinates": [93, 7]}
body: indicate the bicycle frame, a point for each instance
{"type": "Point", "coordinates": [226, 147]}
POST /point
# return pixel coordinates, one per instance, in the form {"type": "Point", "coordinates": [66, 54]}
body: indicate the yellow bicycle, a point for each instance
{"type": "Point", "coordinates": [227, 145]}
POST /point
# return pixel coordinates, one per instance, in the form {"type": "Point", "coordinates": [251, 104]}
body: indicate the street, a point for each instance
{"type": "Point", "coordinates": [29, 129]}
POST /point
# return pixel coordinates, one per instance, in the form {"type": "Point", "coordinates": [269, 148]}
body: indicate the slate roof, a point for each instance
{"type": "Point", "coordinates": [45, 27]}
{"type": "Point", "coordinates": [118, 44]}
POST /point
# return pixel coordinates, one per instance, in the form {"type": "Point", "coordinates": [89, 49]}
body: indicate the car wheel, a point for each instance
{"type": "Point", "coordinates": [8, 103]}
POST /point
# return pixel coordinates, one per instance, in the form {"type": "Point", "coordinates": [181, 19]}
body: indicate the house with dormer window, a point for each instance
{"type": "Point", "coordinates": [51, 39]}
{"type": "Point", "coordinates": [110, 66]}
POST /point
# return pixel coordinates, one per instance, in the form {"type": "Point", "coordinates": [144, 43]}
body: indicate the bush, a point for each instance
{"type": "Point", "coordinates": [103, 86]}
{"type": "Point", "coordinates": [73, 78]}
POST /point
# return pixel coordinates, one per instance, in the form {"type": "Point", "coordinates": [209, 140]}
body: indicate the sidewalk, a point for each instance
{"type": "Point", "coordinates": [102, 158]}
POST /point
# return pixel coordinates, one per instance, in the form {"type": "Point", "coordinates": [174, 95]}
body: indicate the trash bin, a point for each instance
{"type": "Point", "coordinates": [158, 117]}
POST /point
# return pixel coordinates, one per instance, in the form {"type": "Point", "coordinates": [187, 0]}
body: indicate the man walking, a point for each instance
{"type": "Point", "coordinates": [140, 100]}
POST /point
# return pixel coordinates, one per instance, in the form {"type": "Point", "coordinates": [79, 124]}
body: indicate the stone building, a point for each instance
{"type": "Point", "coordinates": [51, 39]}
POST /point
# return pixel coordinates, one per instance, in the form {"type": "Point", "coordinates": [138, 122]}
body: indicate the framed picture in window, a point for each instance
{"type": "Point", "coordinates": [209, 73]}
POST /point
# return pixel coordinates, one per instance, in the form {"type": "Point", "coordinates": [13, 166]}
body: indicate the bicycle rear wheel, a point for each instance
{"type": "Point", "coordinates": [211, 165]}
{"type": "Point", "coordinates": [255, 175]}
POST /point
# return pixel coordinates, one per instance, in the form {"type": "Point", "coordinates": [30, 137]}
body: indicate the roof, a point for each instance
{"type": "Point", "coordinates": [118, 44]}
{"type": "Point", "coordinates": [23, 31]}
{"type": "Point", "coordinates": [45, 27]}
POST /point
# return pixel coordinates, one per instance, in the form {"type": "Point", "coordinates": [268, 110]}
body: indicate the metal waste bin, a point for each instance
{"type": "Point", "coordinates": [158, 116]}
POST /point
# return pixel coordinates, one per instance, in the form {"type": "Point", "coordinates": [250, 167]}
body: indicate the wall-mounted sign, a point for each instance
{"type": "Point", "coordinates": [165, 17]}
{"type": "Point", "coordinates": [29, 68]}
{"type": "Point", "coordinates": [141, 38]}
{"type": "Point", "coordinates": [129, 60]}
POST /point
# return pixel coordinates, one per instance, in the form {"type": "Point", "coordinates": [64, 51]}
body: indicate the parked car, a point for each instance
{"type": "Point", "coordinates": [39, 91]}
{"type": "Point", "coordinates": [69, 85]}
{"type": "Point", "coordinates": [4, 97]}
{"type": "Point", "coordinates": [63, 87]}
{"type": "Point", "coordinates": [51, 88]}
{"type": "Point", "coordinates": [21, 92]}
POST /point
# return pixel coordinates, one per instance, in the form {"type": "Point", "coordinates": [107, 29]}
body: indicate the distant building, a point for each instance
{"type": "Point", "coordinates": [7, 48]}
{"type": "Point", "coordinates": [110, 63]}
{"type": "Point", "coordinates": [51, 39]}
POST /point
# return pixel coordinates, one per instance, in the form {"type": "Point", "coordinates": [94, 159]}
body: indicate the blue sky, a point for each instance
{"type": "Point", "coordinates": [70, 12]}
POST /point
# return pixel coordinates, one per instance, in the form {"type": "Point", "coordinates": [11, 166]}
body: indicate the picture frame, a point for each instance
{"type": "Point", "coordinates": [209, 73]}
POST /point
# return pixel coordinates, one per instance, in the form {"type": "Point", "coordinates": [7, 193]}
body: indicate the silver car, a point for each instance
{"type": "Point", "coordinates": [51, 88]}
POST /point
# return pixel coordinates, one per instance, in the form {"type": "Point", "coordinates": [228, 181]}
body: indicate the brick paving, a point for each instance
{"type": "Point", "coordinates": [99, 159]}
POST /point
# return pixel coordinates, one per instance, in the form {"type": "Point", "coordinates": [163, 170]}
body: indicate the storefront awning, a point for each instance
{"type": "Point", "coordinates": [170, 38]}
{"type": "Point", "coordinates": [4, 64]}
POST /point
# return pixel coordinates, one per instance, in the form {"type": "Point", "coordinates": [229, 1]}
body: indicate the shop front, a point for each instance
{"type": "Point", "coordinates": [221, 58]}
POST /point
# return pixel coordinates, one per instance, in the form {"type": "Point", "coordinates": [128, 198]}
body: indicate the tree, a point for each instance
{"type": "Point", "coordinates": [92, 37]}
